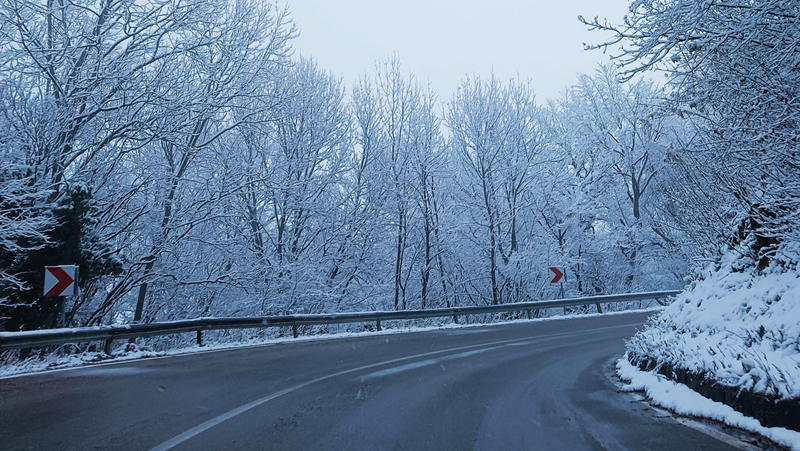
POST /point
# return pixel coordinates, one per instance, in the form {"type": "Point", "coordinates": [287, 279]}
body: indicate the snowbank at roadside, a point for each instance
{"type": "Point", "coordinates": [684, 401]}
{"type": "Point", "coordinates": [736, 326]}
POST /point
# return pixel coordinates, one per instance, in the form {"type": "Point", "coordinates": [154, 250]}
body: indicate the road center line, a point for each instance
{"type": "Point", "coordinates": [180, 438]}
{"type": "Point", "coordinates": [430, 362]}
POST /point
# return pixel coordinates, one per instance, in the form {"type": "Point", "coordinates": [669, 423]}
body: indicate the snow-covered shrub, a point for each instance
{"type": "Point", "coordinates": [736, 325]}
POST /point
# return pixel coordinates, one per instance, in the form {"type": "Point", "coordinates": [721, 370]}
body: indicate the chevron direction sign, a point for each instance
{"type": "Point", "coordinates": [60, 280]}
{"type": "Point", "coordinates": [558, 275]}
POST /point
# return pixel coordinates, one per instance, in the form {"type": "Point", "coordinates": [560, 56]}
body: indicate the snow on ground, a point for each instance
{"type": "Point", "coordinates": [685, 401]}
{"type": "Point", "coordinates": [58, 362]}
{"type": "Point", "coordinates": [737, 326]}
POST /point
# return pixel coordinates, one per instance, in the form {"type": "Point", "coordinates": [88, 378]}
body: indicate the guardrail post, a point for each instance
{"type": "Point", "coordinates": [599, 310]}
{"type": "Point", "coordinates": [528, 311]}
{"type": "Point", "coordinates": [199, 337]}
{"type": "Point", "coordinates": [379, 325]}
{"type": "Point", "coordinates": [455, 318]}
{"type": "Point", "coordinates": [107, 347]}
{"type": "Point", "coordinates": [294, 330]}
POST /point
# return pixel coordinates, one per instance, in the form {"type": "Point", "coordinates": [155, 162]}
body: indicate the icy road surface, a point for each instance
{"type": "Point", "coordinates": [529, 385]}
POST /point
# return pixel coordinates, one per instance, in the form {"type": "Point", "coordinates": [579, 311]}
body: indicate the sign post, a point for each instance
{"type": "Point", "coordinates": [558, 274]}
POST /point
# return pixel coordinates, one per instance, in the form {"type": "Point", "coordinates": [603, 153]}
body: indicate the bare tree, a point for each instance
{"type": "Point", "coordinates": [623, 124]}
{"type": "Point", "coordinates": [495, 131]}
{"type": "Point", "coordinates": [732, 69]}
{"type": "Point", "coordinates": [427, 164]}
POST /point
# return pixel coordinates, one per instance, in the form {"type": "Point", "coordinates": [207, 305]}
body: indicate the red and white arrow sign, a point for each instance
{"type": "Point", "coordinates": [558, 274]}
{"type": "Point", "coordinates": [59, 280]}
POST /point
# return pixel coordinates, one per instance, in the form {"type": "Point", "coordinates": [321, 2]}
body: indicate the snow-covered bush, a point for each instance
{"type": "Point", "coordinates": [735, 325]}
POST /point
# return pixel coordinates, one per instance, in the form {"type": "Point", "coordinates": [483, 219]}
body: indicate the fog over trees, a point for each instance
{"type": "Point", "coordinates": [192, 164]}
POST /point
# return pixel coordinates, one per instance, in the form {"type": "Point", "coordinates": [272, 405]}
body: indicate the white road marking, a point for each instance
{"type": "Point", "coordinates": [431, 362]}
{"type": "Point", "coordinates": [109, 371]}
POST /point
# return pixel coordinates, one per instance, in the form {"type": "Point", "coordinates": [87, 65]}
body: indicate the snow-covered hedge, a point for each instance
{"type": "Point", "coordinates": [736, 326]}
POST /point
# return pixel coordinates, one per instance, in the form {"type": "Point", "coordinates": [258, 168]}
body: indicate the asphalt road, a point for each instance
{"type": "Point", "coordinates": [522, 386]}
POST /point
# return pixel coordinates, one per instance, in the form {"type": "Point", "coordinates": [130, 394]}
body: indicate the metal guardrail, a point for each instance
{"type": "Point", "coordinates": [51, 337]}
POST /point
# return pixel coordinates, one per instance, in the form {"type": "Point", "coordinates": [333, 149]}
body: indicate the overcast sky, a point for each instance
{"type": "Point", "coordinates": [443, 40]}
